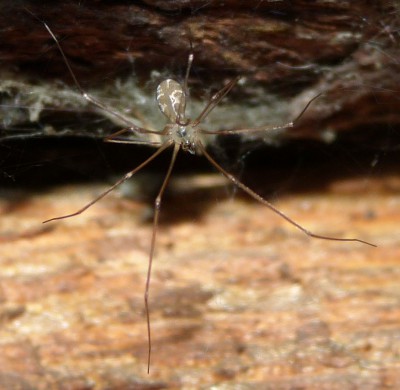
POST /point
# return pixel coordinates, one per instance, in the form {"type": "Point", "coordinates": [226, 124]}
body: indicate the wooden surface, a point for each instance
{"type": "Point", "coordinates": [286, 52]}
{"type": "Point", "coordinates": [239, 299]}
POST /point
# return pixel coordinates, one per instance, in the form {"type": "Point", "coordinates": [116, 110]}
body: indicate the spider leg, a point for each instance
{"type": "Point", "coordinates": [109, 138]}
{"type": "Point", "coordinates": [90, 98]}
{"type": "Point", "coordinates": [132, 142]}
{"type": "Point", "coordinates": [120, 181]}
{"type": "Point", "coordinates": [263, 201]}
{"type": "Point", "coordinates": [157, 208]}
{"type": "Point", "coordinates": [215, 99]}
{"type": "Point", "coordinates": [263, 128]}
{"type": "Point", "coordinates": [247, 130]}
{"type": "Point", "coordinates": [182, 104]}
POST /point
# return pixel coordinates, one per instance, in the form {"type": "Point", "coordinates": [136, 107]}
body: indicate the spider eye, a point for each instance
{"type": "Point", "coordinates": [182, 132]}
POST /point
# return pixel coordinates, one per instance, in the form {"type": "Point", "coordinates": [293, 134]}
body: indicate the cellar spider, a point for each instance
{"type": "Point", "coordinates": [180, 133]}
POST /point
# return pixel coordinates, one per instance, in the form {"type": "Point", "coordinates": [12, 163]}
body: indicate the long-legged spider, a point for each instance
{"type": "Point", "coordinates": [180, 133]}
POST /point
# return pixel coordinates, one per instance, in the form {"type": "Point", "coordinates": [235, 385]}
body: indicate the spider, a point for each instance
{"type": "Point", "coordinates": [180, 133]}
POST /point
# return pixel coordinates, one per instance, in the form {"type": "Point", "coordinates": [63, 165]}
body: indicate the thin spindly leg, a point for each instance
{"type": "Point", "coordinates": [109, 138]}
{"type": "Point", "coordinates": [182, 104]}
{"type": "Point", "coordinates": [263, 128]}
{"type": "Point", "coordinates": [188, 67]}
{"type": "Point", "coordinates": [120, 181]}
{"type": "Point", "coordinates": [157, 207]}
{"type": "Point", "coordinates": [132, 142]}
{"type": "Point", "coordinates": [215, 99]}
{"type": "Point", "coordinates": [90, 98]}
{"type": "Point", "coordinates": [263, 201]}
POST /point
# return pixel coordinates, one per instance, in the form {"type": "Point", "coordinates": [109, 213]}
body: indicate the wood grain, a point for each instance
{"type": "Point", "coordinates": [238, 297]}
{"type": "Point", "coordinates": [286, 52]}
